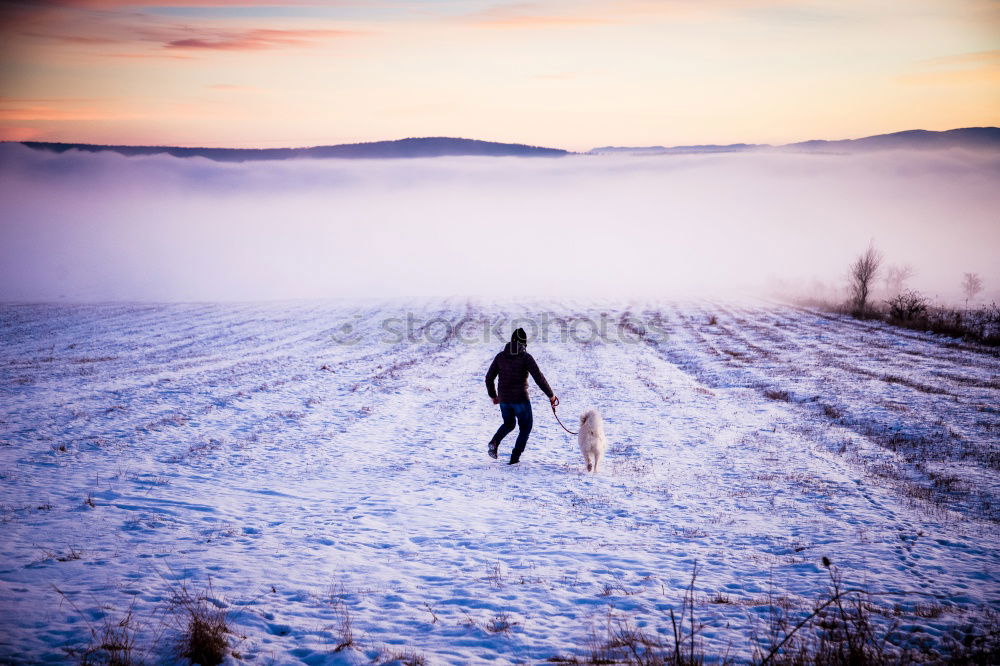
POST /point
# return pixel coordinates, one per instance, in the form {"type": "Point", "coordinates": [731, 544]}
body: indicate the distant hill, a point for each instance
{"type": "Point", "coordinates": [973, 138]}
{"type": "Point", "coordinates": [415, 147]}
{"type": "Point", "coordinates": [966, 137]}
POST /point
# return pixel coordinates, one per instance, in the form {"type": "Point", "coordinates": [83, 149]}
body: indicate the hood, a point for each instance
{"type": "Point", "coordinates": [518, 342]}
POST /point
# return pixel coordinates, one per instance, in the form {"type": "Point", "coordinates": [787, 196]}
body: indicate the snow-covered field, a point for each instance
{"type": "Point", "coordinates": [314, 466]}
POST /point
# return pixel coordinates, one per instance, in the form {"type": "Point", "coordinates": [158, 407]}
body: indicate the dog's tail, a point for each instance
{"type": "Point", "coordinates": [588, 416]}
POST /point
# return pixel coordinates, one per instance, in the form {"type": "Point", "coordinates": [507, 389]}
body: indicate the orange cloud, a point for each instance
{"type": "Point", "coordinates": [40, 110]}
{"type": "Point", "coordinates": [71, 39]}
{"type": "Point", "coordinates": [555, 76]}
{"type": "Point", "coordinates": [575, 13]}
{"type": "Point", "coordinates": [514, 21]}
{"type": "Point", "coordinates": [979, 68]}
{"type": "Point", "coordinates": [149, 56]}
{"type": "Point", "coordinates": [531, 15]}
{"type": "Point", "coordinates": [980, 58]}
{"type": "Point", "coordinates": [984, 76]}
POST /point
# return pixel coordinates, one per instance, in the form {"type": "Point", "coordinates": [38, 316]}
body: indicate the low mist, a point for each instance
{"type": "Point", "coordinates": [99, 227]}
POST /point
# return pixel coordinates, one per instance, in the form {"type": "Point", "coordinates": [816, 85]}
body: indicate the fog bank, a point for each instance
{"type": "Point", "coordinates": [84, 227]}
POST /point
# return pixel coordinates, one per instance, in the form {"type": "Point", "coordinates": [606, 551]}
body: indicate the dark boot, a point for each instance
{"type": "Point", "coordinates": [492, 450]}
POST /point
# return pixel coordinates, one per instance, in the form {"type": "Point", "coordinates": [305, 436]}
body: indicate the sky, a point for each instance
{"type": "Point", "coordinates": [572, 74]}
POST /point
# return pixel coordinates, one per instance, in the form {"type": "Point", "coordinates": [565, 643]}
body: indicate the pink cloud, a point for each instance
{"type": "Point", "coordinates": [113, 4]}
{"type": "Point", "coordinates": [124, 29]}
{"type": "Point", "coordinates": [71, 39]}
{"type": "Point", "coordinates": [19, 133]}
{"type": "Point", "coordinates": [254, 39]}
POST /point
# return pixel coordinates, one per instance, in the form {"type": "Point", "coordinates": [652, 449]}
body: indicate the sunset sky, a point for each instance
{"type": "Point", "coordinates": [573, 74]}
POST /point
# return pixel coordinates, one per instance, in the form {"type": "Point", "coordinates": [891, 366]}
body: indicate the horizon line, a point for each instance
{"type": "Point", "coordinates": [491, 141]}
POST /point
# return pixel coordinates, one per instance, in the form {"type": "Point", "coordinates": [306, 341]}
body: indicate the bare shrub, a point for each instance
{"type": "Point", "coordinates": [861, 276]}
{"type": "Point", "coordinates": [907, 306]}
{"type": "Point", "coordinates": [980, 325]}
{"type": "Point", "coordinates": [775, 394]}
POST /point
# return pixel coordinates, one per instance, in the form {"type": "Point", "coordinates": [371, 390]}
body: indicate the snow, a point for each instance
{"type": "Point", "coordinates": [306, 478]}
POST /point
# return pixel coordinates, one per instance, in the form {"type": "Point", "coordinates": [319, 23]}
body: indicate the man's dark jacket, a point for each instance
{"type": "Point", "coordinates": [513, 365]}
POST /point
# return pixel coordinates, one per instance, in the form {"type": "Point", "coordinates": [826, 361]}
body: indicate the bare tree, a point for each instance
{"type": "Point", "coordinates": [895, 279]}
{"type": "Point", "coordinates": [971, 285]}
{"type": "Point", "coordinates": [862, 275]}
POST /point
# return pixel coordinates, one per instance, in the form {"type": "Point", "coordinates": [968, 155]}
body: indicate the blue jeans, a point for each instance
{"type": "Point", "coordinates": [511, 412]}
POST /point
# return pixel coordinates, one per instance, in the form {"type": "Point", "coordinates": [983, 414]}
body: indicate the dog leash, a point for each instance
{"type": "Point", "coordinates": [561, 423]}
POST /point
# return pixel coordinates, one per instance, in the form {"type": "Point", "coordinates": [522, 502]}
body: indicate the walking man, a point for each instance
{"type": "Point", "coordinates": [513, 365]}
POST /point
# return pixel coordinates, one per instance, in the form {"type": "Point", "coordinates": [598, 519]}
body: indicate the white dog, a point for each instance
{"type": "Point", "coordinates": [592, 441]}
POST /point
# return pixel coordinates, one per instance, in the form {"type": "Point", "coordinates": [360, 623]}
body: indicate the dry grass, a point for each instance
{"type": "Point", "coordinates": [844, 627]}
{"type": "Point", "coordinates": [204, 626]}
{"type": "Point", "coordinates": [842, 630]}
{"type": "Point", "coordinates": [624, 642]}
{"type": "Point", "coordinates": [720, 598]}
{"type": "Point", "coordinates": [831, 412]}
{"type": "Point", "coordinates": [846, 633]}
{"type": "Point", "coordinates": [495, 574]}
{"type": "Point", "coordinates": [501, 623]}
{"type": "Point", "coordinates": [399, 657]}
{"type": "Point", "coordinates": [113, 643]}
{"type": "Point", "coordinates": [344, 628]}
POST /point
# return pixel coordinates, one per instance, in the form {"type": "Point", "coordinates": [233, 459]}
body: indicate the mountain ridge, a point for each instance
{"type": "Point", "coordinates": [410, 147]}
{"type": "Point", "coordinates": [916, 139]}
{"type": "Point", "coordinates": [414, 147]}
